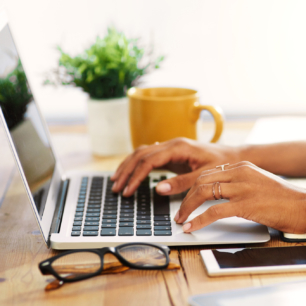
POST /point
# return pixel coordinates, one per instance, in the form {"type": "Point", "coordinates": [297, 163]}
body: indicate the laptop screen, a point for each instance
{"type": "Point", "coordinates": [24, 122]}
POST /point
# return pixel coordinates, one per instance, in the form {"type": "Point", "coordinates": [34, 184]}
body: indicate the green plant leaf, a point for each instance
{"type": "Point", "coordinates": [107, 68]}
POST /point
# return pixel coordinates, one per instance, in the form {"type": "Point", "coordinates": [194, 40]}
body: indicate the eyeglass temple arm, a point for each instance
{"type": "Point", "coordinates": [74, 268]}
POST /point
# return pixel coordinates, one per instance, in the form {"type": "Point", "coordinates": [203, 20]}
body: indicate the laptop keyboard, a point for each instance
{"type": "Point", "coordinates": [104, 213]}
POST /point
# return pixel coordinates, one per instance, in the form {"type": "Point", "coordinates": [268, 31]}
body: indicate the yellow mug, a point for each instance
{"type": "Point", "coordinates": [160, 114]}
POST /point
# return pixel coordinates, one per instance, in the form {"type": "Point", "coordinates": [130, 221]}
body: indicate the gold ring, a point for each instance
{"type": "Point", "coordinates": [222, 167]}
{"type": "Point", "coordinates": [213, 191]}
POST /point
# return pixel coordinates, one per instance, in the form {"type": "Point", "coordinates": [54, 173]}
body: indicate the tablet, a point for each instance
{"type": "Point", "coordinates": [254, 260]}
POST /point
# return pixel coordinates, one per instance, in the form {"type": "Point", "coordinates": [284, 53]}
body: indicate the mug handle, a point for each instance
{"type": "Point", "coordinates": [216, 112]}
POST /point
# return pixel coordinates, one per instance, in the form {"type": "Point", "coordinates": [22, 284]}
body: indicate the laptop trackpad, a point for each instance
{"type": "Point", "coordinates": [228, 230]}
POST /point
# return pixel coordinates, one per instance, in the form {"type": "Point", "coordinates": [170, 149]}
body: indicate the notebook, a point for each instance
{"type": "Point", "coordinates": [78, 209]}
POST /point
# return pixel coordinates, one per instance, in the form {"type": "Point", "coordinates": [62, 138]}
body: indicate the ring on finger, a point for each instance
{"type": "Point", "coordinates": [222, 166]}
{"type": "Point", "coordinates": [213, 191]}
{"type": "Point", "coordinates": [219, 189]}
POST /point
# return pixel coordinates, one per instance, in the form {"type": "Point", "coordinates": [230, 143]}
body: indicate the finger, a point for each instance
{"type": "Point", "coordinates": [212, 214]}
{"type": "Point", "coordinates": [127, 167]}
{"type": "Point", "coordinates": [144, 166]}
{"type": "Point", "coordinates": [119, 168]}
{"type": "Point", "coordinates": [126, 161]}
{"type": "Point", "coordinates": [177, 184]}
{"type": "Point", "coordinates": [231, 174]}
{"type": "Point", "coordinates": [210, 178]}
{"type": "Point", "coordinates": [199, 196]}
{"type": "Point", "coordinates": [231, 166]}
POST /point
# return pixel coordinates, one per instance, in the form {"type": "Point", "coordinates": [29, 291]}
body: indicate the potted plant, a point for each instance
{"type": "Point", "coordinates": [106, 71]}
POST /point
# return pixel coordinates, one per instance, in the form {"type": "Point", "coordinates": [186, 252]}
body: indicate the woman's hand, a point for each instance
{"type": "Point", "coordinates": [253, 193]}
{"type": "Point", "coordinates": [183, 156]}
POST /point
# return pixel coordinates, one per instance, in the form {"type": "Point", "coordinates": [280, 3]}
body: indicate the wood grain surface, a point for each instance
{"type": "Point", "coordinates": [22, 248]}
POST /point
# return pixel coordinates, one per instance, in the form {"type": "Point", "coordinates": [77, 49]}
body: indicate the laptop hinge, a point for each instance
{"type": "Point", "coordinates": [59, 209]}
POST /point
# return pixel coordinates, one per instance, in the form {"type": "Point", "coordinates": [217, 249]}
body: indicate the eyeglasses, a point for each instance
{"type": "Point", "coordinates": [77, 265]}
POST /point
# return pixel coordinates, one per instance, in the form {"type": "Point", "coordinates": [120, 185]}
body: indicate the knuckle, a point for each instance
{"type": "Point", "coordinates": [140, 148]}
{"type": "Point", "coordinates": [143, 160]}
{"type": "Point", "coordinates": [214, 211]}
{"type": "Point", "coordinates": [180, 182]}
{"type": "Point", "coordinates": [179, 141]}
{"type": "Point", "coordinates": [201, 189]}
{"type": "Point", "coordinates": [246, 163]}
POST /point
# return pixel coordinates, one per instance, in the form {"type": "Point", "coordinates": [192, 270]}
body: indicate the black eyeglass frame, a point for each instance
{"type": "Point", "coordinates": [46, 268]}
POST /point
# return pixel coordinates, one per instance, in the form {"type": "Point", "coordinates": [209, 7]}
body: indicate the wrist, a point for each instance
{"type": "Point", "coordinates": [250, 153]}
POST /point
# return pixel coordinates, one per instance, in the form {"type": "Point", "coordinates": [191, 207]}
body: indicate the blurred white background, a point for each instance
{"type": "Point", "coordinates": [249, 57]}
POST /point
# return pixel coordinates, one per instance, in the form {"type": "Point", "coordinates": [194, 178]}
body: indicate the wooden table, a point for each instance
{"type": "Point", "coordinates": [22, 247]}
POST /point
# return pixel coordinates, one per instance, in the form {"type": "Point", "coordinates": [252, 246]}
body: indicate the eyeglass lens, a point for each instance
{"type": "Point", "coordinates": [143, 255]}
{"type": "Point", "coordinates": [77, 264]}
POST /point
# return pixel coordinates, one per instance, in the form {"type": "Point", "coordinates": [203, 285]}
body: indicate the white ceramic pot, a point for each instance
{"type": "Point", "coordinates": [108, 126]}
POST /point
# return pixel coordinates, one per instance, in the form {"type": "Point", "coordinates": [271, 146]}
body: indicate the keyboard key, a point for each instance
{"type": "Point", "coordinates": [161, 218]}
{"type": "Point", "coordinates": [105, 221]}
{"type": "Point", "coordinates": [88, 219]}
{"type": "Point", "coordinates": [126, 231]}
{"type": "Point", "coordinates": [110, 206]}
{"type": "Point", "coordinates": [93, 199]}
{"type": "Point", "coordinates": [148, 217]}
{"type": "Point", "coordinates": [125, 206]}
{"type": "Point", "coordinates": [160, 223]}
{"type": "Point", "coordinates": [91, 228]}
{"type": "Point", "coordinates": [127, 211]}
{"type": "Point", "coordinates": [126, 220]}
{"type": "Point", "coordinates": [143, 226]}
{"type": "Point", "coordinates": [126, 215]}
{"type": "Point", "coordinates": [162, 233]}
{"type": "Point", "coordinates": [77, 223]}
{"type": "Point", "coordinates": [143, 222]}
{"type": "Point", "coordinates": [92, 214]}
{"type": "Point", "coordinates": [143, 233]}
{"type": "Point", "coordinates": [144, 213]}
{"type": "Point", "coordinates": [91, 223]}
{"type": "Point", "coordinates": [108, 232]}
{"type": "Point", "coordinates": [93, 209]}
{"type": "Point", "coordinates": [78, 214]}
{"type": "Point", "coordinates": [126, 224]}
{"type": "Point", "coordinates": [110, 212]}
{"type": "Point", "coordinates": [78, 218]}
{"type": "Point", "coordinates": [162, 228]}
{"type": "Point", "coordinates": [80, 209]}
{"type": "Point", "coordinates": [90, 202]}
{"type": "Point", "coordinates": [161, 204]}
{"type": "Point", "coordinates": [75, 233]}
{"type": "Point", "coordinates": [109, 225]}
{"type": "Point", "coordinates": [111, 200]}
{"type": "Point", "coordinates": [76, 228]}
{"type": "Point", "coordinates": [110, 217]}
{"type": "Point", "coordinates": [90, 233]}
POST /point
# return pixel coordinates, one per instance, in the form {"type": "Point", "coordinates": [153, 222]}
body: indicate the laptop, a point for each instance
{"type": "Point", "coordinates": [78, 209]}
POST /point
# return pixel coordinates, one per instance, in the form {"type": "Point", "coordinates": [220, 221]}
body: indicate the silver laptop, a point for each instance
{"type": "Point", "coordinates": [78, 209]}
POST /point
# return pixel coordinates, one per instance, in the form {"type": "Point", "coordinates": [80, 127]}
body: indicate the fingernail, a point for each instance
{"type": "Point", "coordinates": [177, 216]}
{"type": "Point", "coordinates": [113, 176]}
{"type": "Point", "coordinates": [163, 187]}
{"type": "Point", "coordinates": [125, 191]}
{"type": "Point", "coordinates": [186, 227]}
{"type": "Point", "coordinates": [114, 186]}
